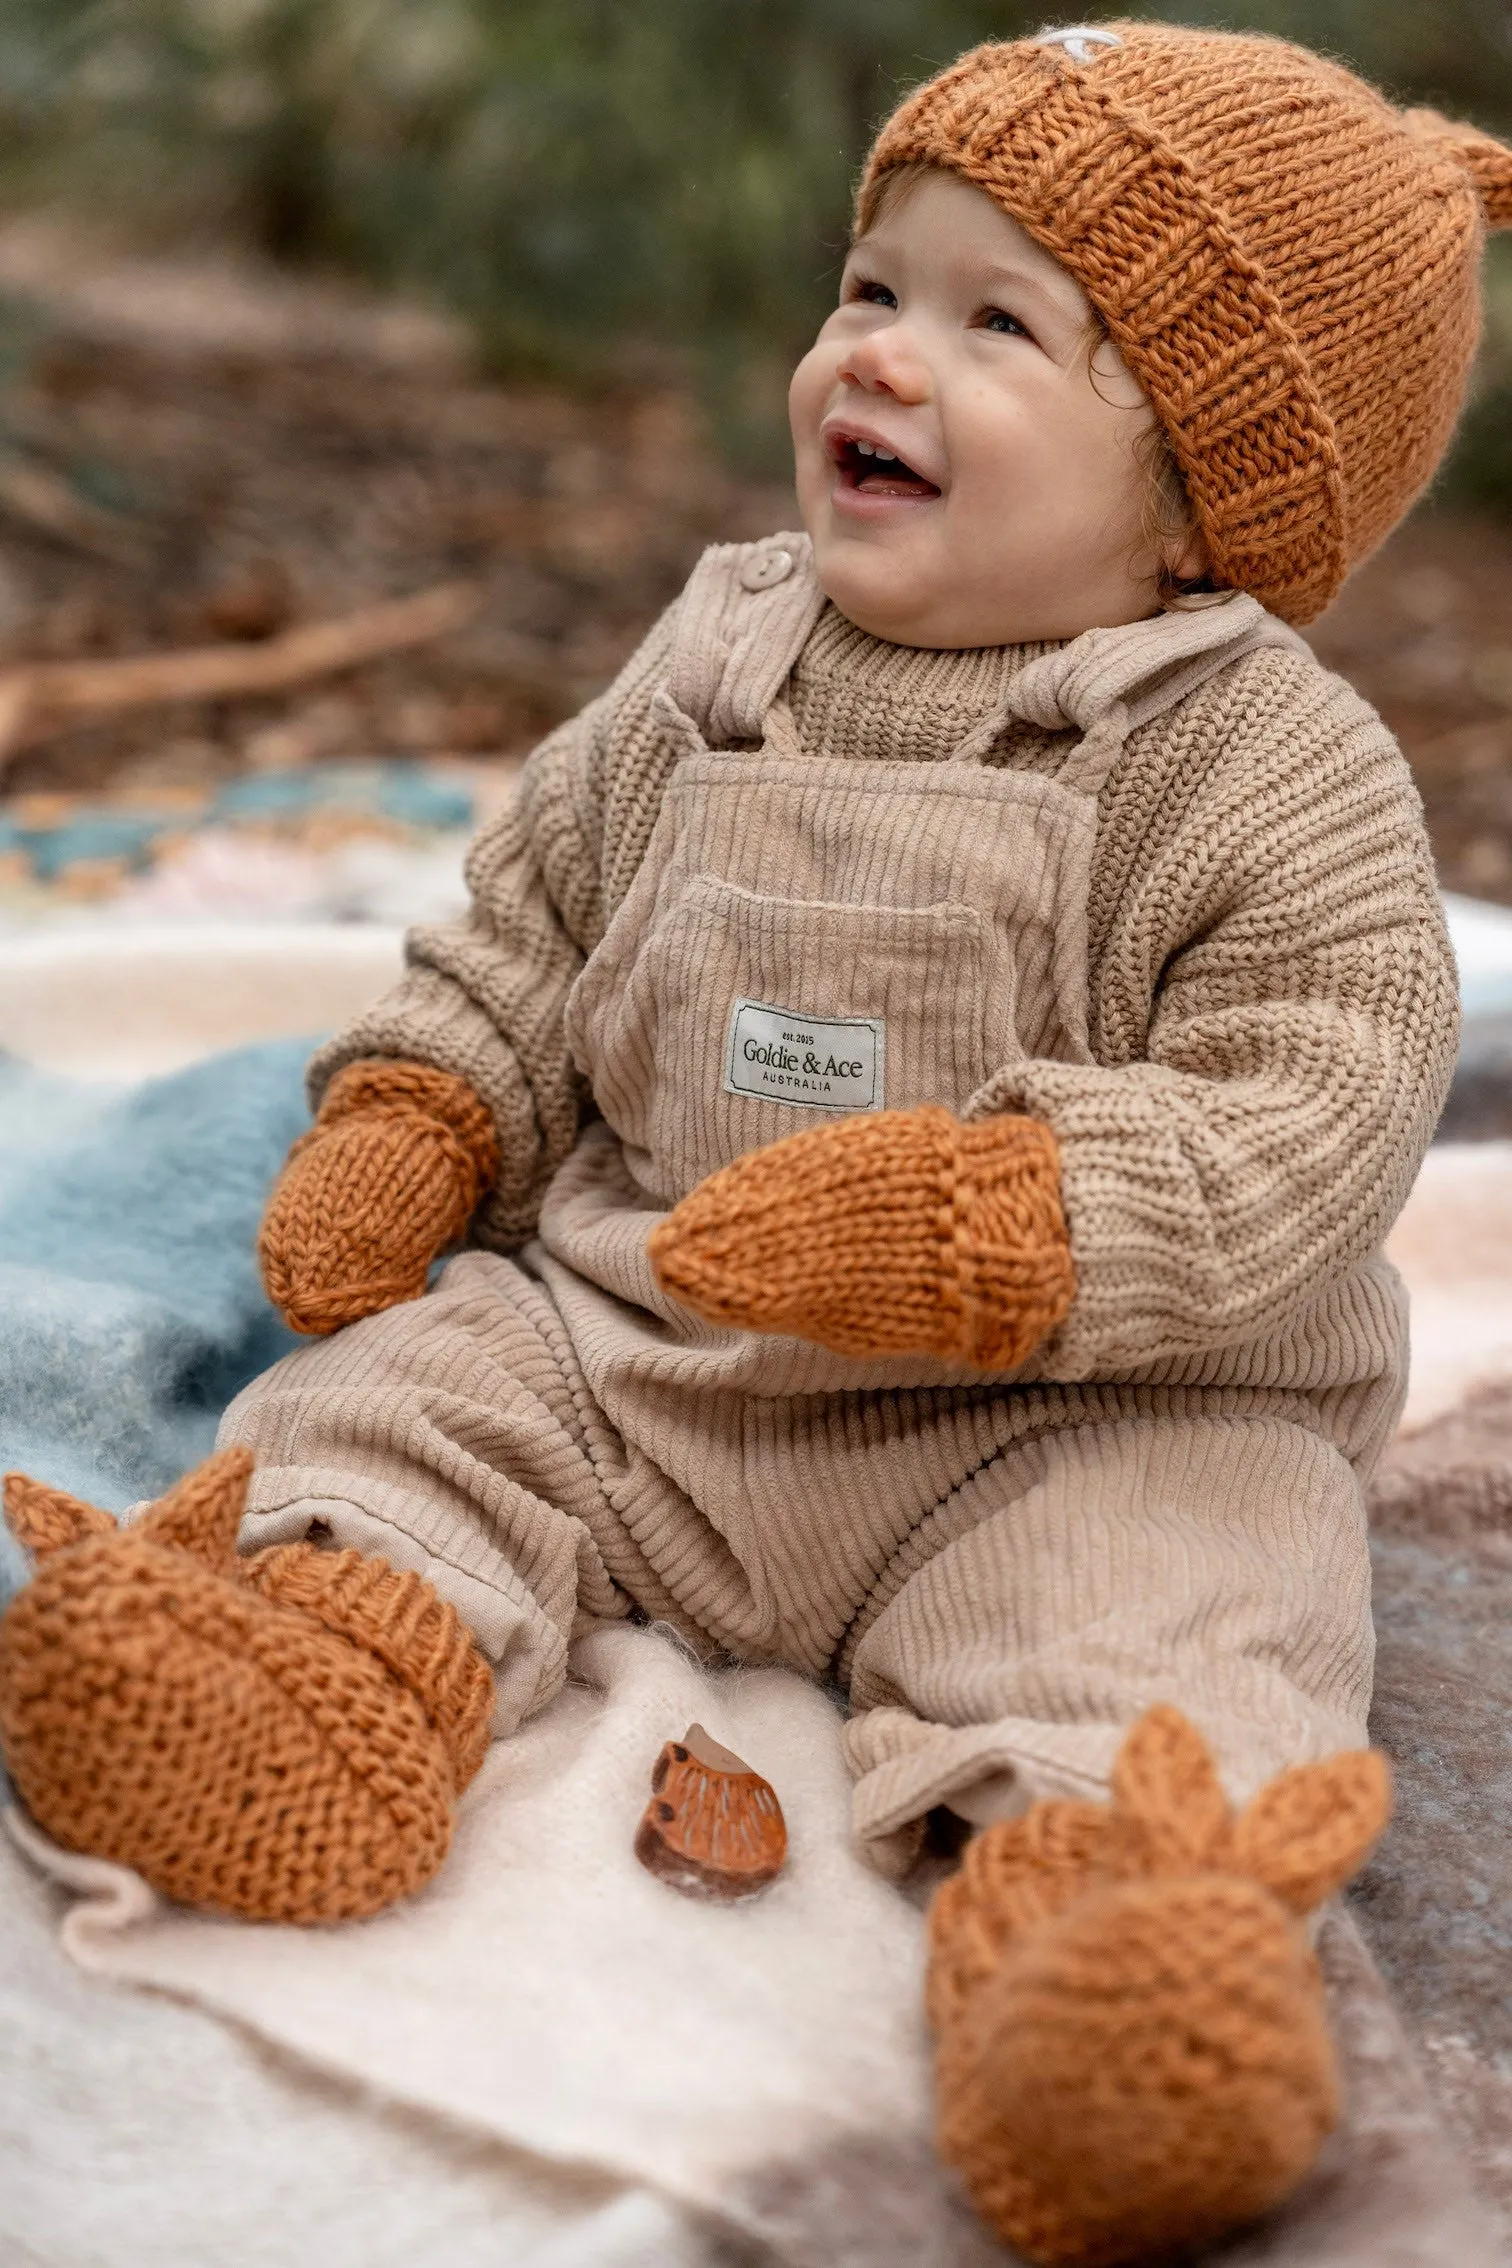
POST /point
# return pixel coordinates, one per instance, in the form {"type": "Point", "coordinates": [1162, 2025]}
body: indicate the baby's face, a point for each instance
{"type": "Point", "coordinates": [968, 477]}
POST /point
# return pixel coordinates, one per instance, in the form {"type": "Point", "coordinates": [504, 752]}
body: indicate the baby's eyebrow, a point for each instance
{"type": "Point", "coordinates": [993, 275]}
{"type": "Point", "coordinates": [1005, 275]}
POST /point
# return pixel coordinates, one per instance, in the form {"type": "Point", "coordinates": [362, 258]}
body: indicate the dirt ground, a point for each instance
{"type": "Point", "coordinates": [192, 455]}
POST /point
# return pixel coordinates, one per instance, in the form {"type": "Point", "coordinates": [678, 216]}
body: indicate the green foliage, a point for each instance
{"type": "Point", "coordinates": [587, 179]}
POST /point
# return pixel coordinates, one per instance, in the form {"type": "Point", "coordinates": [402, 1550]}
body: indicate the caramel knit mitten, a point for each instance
{"type": "Point", "coordinates": [1133, 2058]}
{"type": "Point", "coordinates": [901, 1232]}
{"type": "Point", "coordinates": [390, 1174]}
{"type": "Point", "coordinates": [281, 1737]}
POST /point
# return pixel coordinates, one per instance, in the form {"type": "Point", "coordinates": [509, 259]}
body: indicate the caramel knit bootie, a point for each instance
{"type": "Point", "coordinates": [281, 1737]}
{"type": "Point", "coordinates": [1133, 2058]}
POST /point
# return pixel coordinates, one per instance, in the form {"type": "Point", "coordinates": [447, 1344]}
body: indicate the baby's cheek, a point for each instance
{"type": "Point", "coordinates": [808, 392]}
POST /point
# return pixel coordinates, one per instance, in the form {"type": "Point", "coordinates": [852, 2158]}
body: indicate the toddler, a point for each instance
{"type": "Point", "coordinates": [932, 1059]}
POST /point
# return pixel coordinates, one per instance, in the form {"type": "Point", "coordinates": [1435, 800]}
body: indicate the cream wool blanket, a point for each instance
{"type": "Point", "coordinates": [688, 2077]}
{"type": "Point", "coordinates": [546, 1990]}
{"type": "Point", "coordinates": [548, 2058]}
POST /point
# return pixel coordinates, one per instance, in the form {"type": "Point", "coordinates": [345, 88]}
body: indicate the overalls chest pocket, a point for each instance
{"type": "Point", "coordinates": [806, 940]}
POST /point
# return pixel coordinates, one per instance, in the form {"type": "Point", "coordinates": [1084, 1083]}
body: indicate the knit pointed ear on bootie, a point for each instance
{"type": "Point", "coordinates": [1133, 2056]}
{"type": "Point", "coordinates": [282, 1737]}
{"type": "Point", "coordinates": [897, 1232]}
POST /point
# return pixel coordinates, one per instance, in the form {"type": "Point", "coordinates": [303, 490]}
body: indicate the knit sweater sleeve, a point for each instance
{"type": "Point", "coordinates": [1274, 1021]}
{"type": "Point", "coordinates": [483, 997]}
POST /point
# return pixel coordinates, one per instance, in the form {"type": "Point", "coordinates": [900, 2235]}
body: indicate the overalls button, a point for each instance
{"type": "Point", "coordinates": [765, 569]}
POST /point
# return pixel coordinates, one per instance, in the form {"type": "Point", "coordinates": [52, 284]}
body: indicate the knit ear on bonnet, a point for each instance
{"type": "Point", "coordinates": [1488, 162]}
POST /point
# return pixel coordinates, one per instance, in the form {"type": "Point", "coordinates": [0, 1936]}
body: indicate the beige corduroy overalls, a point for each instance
{"type": "Point", "coordinates": [1003, 1573]}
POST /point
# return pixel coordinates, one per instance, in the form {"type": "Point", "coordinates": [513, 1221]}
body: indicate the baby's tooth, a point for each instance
{"type": "Point", "coordinates": [865, 448]}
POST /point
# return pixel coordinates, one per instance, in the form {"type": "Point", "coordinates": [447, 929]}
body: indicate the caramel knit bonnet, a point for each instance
{"type": "Point", "coordinates": [1289, 265]}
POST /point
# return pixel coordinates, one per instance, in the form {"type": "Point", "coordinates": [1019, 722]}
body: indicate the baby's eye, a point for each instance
{"type": "Point", "coordinates": [877, 294]}
{"type": "Point", "coordinates": [999, 319]}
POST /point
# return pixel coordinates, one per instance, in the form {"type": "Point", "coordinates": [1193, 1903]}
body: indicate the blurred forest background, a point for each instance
{"type": "Point", "coordinates": [306, 303]}
{"type": "Point", "coordinates": [593, 184]}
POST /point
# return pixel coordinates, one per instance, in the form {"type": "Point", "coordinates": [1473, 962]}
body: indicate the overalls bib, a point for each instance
{"type": "Point", "coordinates": [925, 923]}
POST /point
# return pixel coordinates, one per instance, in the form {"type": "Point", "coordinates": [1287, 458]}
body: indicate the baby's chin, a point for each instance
{"type": "Point", "coordinates": [893, 595]}
{"type": "Point", "coordinates": [911, 592]}
{"type": "Point", "coordinates": [880, 585]}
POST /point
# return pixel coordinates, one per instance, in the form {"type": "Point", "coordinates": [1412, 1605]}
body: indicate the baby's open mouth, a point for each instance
{"type": "Point", "coordinates": [869, 470]}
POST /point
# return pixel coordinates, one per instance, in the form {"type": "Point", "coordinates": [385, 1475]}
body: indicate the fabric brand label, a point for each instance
{"type": "Point", "coordinates": [784, 1056]}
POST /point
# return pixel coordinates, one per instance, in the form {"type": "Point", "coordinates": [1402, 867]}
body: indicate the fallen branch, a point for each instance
{"type": "Point", "coordinates": [38, 700]}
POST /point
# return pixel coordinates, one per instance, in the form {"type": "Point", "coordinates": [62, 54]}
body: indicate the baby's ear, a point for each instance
{"type": "Point", "coordinates": [1314, 1826]}
{"type": "Point", "coordinates": [45, 1519]}
{"type": "Point", "coordinates": [201, 1513]}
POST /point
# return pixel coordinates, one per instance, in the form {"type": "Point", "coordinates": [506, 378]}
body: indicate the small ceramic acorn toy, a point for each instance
{"type": "Point", "coordinates": [713, 1827]}
{"type": "Point", "coordinates": [281, 1737]}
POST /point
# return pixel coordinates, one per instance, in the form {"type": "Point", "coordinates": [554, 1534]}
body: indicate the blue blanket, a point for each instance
{"type": "Point", "coordinates": [130, 1306]}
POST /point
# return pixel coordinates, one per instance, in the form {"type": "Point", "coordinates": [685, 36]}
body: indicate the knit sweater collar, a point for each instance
{"type": "Point", "coordinates": [855, 694]}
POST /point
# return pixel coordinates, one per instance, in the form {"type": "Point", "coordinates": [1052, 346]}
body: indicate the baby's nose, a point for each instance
{"type": "Point", "coordinates": [889, 362]}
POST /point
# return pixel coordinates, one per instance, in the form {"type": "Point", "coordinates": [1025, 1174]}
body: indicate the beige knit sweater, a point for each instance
{"type": "Point", "coordinates": [1272, 1004]}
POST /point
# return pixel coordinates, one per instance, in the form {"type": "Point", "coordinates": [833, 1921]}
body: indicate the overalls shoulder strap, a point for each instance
{"type": "Point", "coordinates": [748, 610]}
{"type": "Point", "coordinates": [744, 618]}
{"type": "Point", "coordinates": [1109, 682]}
